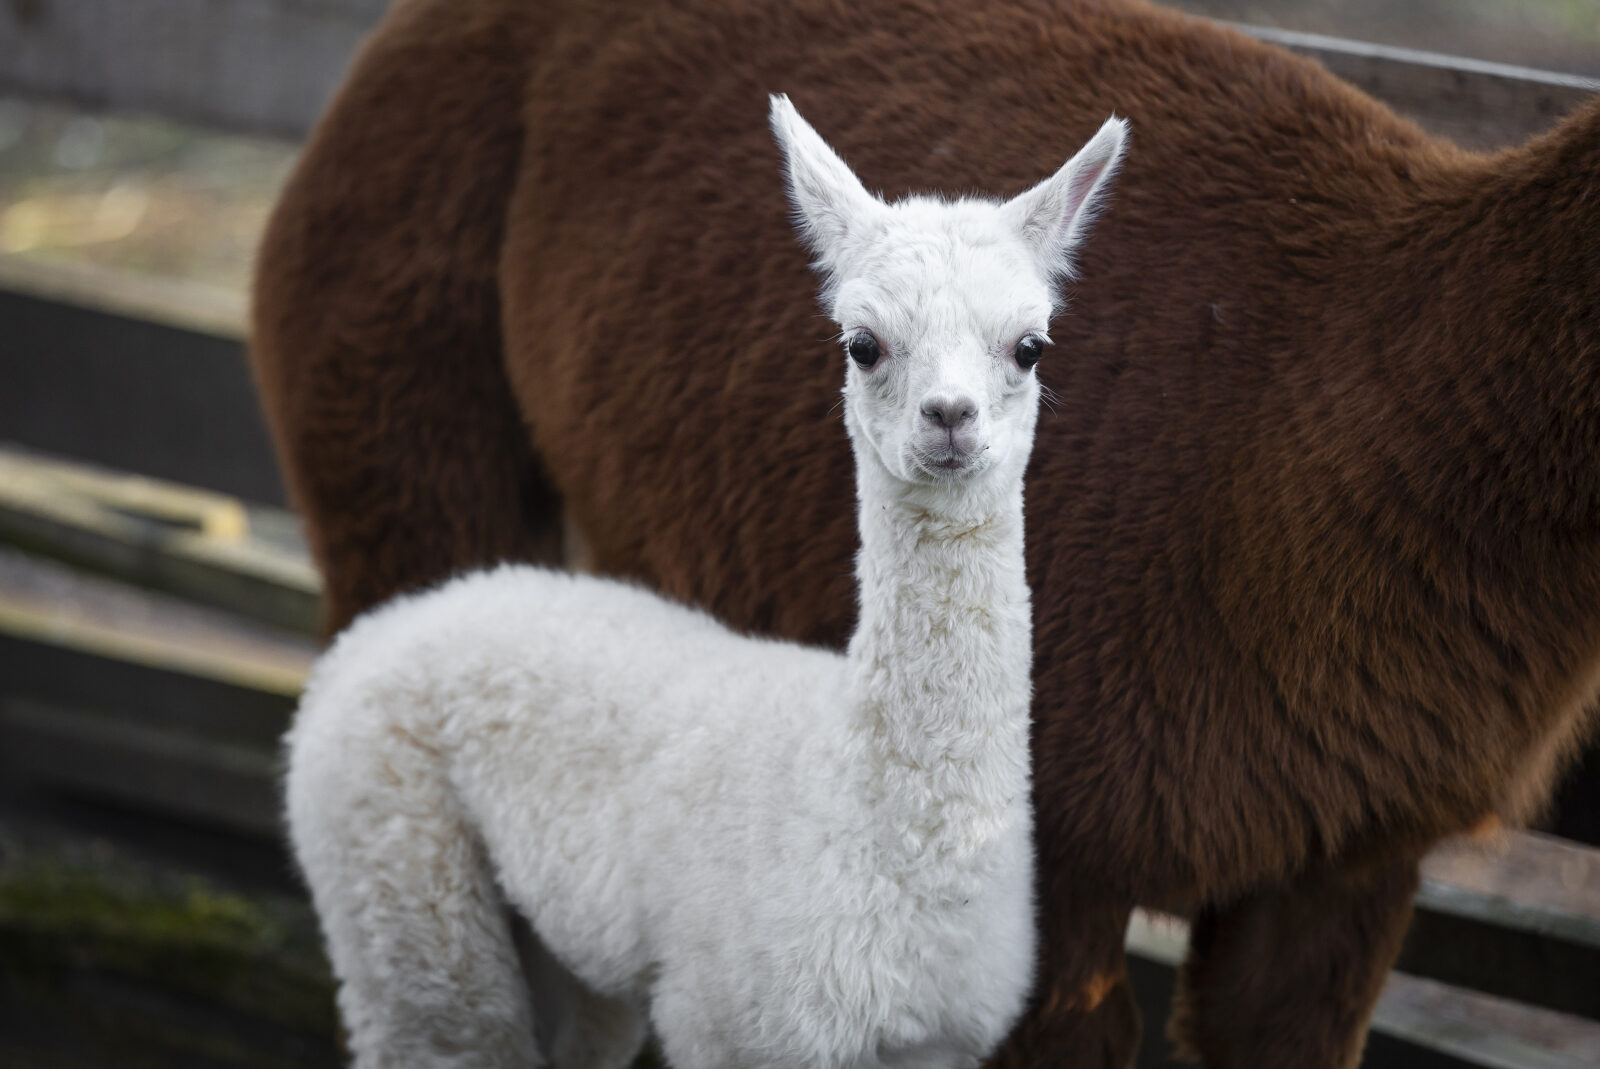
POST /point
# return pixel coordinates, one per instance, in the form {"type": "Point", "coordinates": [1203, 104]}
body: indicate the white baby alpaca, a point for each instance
{"type": "Point", "coordinates": [779, 856]}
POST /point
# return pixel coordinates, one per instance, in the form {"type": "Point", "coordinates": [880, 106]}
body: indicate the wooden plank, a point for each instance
{"type": "Point", "coordinates": [114, 758]}
{"type": "Point", "coordinates": [270, 65]}
{"type": "Point", "coordinates": [186, 304]}
{"type": "Point", "coordinates": [143, 701]}
{"type": "Point", "coordinates": [1474, 102]}
{"type": "Point", "coordinates": [143, 717]}
{"type": "Point", "coordinates": [27, 478]}
{"type": "Point", "coordinates": [1550, 885]}
{"type": "Point", "coordinates": [116, 389]}
{"type": "Point", "coordinates": [168, 696]}
{"type": "Point", "coordinates": [1417, 1022]}
{"type": "Point", "coordinates": [45, 601]}
{"type": "Point", "coordinates": [1484, 1030]}
{"type": "Point", "coordinates": [282, 675]}
{"type": "Point", "coordinates": [156, 534]}
{"type": "Point", "coordinates": [1518, 917]}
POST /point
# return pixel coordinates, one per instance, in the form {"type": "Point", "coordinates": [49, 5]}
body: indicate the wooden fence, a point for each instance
{"type": "Point", "coordinates": [138, 759]}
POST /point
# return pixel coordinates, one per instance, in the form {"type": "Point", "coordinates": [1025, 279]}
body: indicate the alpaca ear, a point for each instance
{"type": "Point", "coordinates": [1054, 216]}
{"type": "Point", "coordinates": [829, 201]}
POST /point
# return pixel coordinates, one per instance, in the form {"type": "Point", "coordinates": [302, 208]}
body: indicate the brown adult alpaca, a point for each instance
{"type": "Point", "coordinates": [1315, 530]}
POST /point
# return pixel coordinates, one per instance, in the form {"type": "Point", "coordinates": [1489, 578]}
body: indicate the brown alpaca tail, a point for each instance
{"type": "Point", "coordinates": [377, 316]}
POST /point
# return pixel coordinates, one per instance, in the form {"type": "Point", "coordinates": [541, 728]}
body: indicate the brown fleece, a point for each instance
{"type": "Point", "coordinates": [1314, 527]}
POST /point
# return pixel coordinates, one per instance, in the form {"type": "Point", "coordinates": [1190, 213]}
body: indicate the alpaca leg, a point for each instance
{"type": "Point", "coordinates": [376, 334]}
{"type": "Point", "coordinates": [608, 1033]}
{"type": "Point", "coordinates": [415, 925]}
{"type": "Point", "coordinates": [681, 1031]}
{"type": "Point", "coordinates": [695, 1019]}
{"type": "Point", "coordinates": [1288, 976]}
{"type": "Point", "coordinates": [576, 1027]}
{"type": "Point", "coordinates": [1082, 1015]}
{"type": "Point", "coordinates": [428, 977]}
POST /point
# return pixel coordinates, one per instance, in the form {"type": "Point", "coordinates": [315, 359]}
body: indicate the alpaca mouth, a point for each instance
{"type": "Point", "coordinates": [953, 460]}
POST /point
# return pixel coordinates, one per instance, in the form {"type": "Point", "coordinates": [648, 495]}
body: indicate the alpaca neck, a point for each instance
{"type": "Point", "coordinates": [940, 661]}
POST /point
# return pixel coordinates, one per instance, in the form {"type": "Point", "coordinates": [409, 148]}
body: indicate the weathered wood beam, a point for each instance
{"type": "Point", "coordinates": [113, 758]}
{"type": "Point", "coordinates": [184, 304]}
{"type": "Point", "coordinates": [1482, 1029]}
{"type": "Point", "coordinates": [1475, 103]}
{"type": "Point", "coordinates": [271, 65]}
{"type": "Point", "coordinates": [142, 701]}
{"type": "Point", "coordinates": [137, 733]}
{"type": "Point", "coordinates": [196, 544]}
{"type": "Point", "coordinates": [112, 387]}
{"type": "Point", "coordinates": [1418, 1022]}
{"type": "Point", "coordinates": [1518, 917]}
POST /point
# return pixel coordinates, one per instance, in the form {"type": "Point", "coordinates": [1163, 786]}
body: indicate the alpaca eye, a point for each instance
{"type": "Point", "coordinates": [1029, 350]}
{"type": "Point", "coordinates": [863, 349]}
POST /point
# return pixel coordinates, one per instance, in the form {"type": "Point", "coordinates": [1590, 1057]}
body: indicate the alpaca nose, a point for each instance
{"type": "Point", "coordinates": [950, 412]}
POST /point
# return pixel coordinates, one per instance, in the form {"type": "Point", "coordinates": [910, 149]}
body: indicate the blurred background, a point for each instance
{"type": "Point", "coordinates": [158, 613]}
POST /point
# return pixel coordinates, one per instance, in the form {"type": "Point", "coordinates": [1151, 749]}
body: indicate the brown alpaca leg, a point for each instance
{"type": "Point", "coordinates": [1082, 1015]}
{"type": "Point", "coordinates": [1288, 976]}
{"type": "Point", "coordinates": [377, 319]}
{"type": "Point", "coordinates": [421, 492]}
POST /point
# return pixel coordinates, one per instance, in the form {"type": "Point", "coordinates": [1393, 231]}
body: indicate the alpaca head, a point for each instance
{"type": "Point", "coordinates": [943, 306]}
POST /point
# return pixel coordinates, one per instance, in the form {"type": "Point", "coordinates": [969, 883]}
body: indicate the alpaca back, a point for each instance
{"type": "Point", "coordinates": [521, 685]}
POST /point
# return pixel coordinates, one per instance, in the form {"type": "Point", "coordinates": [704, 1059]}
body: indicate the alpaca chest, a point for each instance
{"type": "Point", "coordinates": [870, 961]}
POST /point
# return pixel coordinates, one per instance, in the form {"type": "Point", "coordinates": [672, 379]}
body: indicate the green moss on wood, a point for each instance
{"type": "Point", "coordinates": [113, 959]}
{"type": "Point", "coordinates": [183, 936]}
